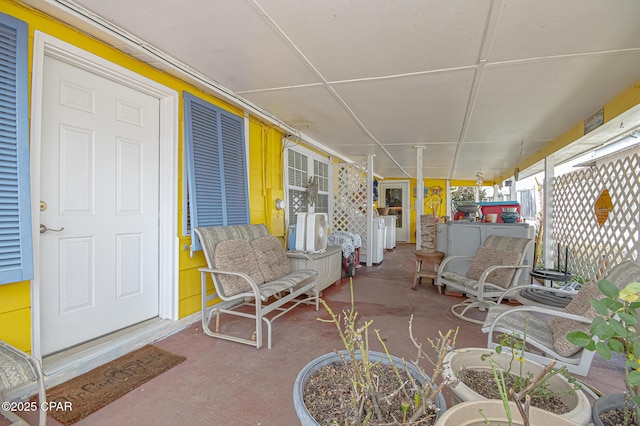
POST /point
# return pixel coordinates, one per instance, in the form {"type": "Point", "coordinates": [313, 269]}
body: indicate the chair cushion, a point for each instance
{"type": "Point", "coordinates": [236, 256]}
{"type": "Point", "coordinates": [486, 257]}
{"type": "Point", "coordinates": [271, 257]}
{"type": "Point", "coordinates": [15, 369]}
{"type": "Point", "coordinates": [580, 305]}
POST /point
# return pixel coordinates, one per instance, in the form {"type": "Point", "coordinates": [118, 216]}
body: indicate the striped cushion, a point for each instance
{"type": "Point", "coordinates": [486, 257]}
{"type": "Point", "coordinates": [236, 256]}
{"type": "Point", "coordinates": [580, 305]}
{"type": "Point", "coordinates": [271, 257]}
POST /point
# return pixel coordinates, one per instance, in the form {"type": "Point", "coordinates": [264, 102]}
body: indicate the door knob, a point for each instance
{"type": "Point", "coordinates": [43, 229]}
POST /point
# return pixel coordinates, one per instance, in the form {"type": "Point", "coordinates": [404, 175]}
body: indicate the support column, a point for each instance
{"type": "Point", "coordinates": [419, 195]}
{"type": "Point", "coordinates": [369, 209]}
{"type": "Point", "coordinates": [547, 188]}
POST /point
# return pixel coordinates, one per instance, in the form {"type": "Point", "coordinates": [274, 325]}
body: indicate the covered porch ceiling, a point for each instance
{"type": "Point", "coordinates": [483, 85]}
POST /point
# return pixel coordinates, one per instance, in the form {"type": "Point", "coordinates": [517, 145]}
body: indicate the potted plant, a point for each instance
{"type": "Point", "coordinates": [367, 387]}
{"type": "Point", "coordinates": [493, 412]}
{"type": "Point", "coordinates": [615, 330]}
{"type": "Point", "coordinates": [549, 389]}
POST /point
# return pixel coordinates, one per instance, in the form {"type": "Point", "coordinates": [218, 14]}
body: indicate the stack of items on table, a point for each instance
{"type": "Point", "coordinates": [350, 243]}
{"type": "Point", "coordinates": [428, 233]}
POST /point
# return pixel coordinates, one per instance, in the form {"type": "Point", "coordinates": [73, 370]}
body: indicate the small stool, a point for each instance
{"type": "Point", "coordinates": [434, 257]}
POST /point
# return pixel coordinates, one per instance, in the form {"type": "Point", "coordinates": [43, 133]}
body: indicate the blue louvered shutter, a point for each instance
{"type": "Point", "coordinates": [216, 167]}
{"type": "Point", "coordinates": [234, 168]}
{"type": "Point", "coordinates": [16, 250]}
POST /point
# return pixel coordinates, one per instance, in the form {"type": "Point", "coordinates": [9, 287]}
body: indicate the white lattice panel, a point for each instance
{"type": "Point", "coordinates": [350, 200]}
{"type": "Point", "coordinates": [595, 249]}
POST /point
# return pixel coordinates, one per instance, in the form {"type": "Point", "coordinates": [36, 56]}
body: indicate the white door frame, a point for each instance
{"type": "Point", "coordinates": [168, 218]}
{"type": "Point", "coordinates": [406, 205]}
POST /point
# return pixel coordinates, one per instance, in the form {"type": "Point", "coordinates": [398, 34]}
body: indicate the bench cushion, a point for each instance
{"type": "Point", "coordinates": [236, 256]}
{"type": "Point", "coordinates": [580, 305]}
{"type": "Point", "coordinates": [271, 257]}
{"type": "Point", "coordinates": [486, 257]}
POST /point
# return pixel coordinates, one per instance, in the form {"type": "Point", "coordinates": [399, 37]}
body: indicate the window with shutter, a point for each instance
{"type": "Point", "coordinates": [16, 249]}
{"type": "Point", "coordinates": [302, 164]}
{"type": "Point", "coordinates": [217, 183]}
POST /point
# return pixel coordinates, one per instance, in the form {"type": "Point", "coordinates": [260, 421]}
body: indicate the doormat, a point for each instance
{"type": "Point", "coordinates": [95, 389]}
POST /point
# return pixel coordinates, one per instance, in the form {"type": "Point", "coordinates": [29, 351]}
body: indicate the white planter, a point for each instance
{"type": "Point", "coordinates": [470, 358]}
{"type": "Point", "coordinates": [468, 414]}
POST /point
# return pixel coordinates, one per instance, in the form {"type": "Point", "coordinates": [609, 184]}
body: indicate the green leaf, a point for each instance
{"type": "Point", "coordinates": [618, 328]}
{"type": "Point", "coordinates": [631, 292]}
{"type": "Point", "coordinates": [600, 306]}
{"type": "Point", "coordinates": [634, 377]}
{"type": "Point", "coordinates": [601, 329]}
{"type": "Point", "coordinates": [579, 338]}
{"type": "Point", "coordinates": [613, 305]}
{"type": "Point", "coordinates": [616, 345]}
{"type": "Point", "coordinates": [603, 350]}
{"type": "Point", "coordinates": [628, 318]}
{"type": "Point", "coordinates": [596, 323]}
{"type": "Point", "coordinates": [609, 289]}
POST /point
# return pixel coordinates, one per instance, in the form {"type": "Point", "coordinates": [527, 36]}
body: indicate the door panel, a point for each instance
{"type": "Point", "coordinates": [99, 180]}
{"type": "Point", "coordinates": [396, 196]}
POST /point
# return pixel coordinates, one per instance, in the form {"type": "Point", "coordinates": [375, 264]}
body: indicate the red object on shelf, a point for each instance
{"type": "Point", "coordinates": [496, 208]}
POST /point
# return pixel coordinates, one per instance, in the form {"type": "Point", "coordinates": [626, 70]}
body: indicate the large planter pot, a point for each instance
{"type": "Point", "coordinates": [470, 358]}
{"type": "Point", "coordinates": [307, 371]}
{"type": "Point", "coordinates": [606, 403]}
{"type": "Point", "coordinates": [468, 414]}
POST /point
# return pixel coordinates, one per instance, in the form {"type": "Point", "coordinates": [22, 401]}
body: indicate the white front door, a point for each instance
{"type": "Point", "coordinates": [99, 183]}
{"type": "Point", "coordinates": [396, 196]}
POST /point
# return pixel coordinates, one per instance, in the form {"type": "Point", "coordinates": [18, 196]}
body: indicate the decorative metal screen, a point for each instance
{"type": "Point", "coordinates": [594, 249]}
{"type": "Point", "coordinates": [350, 200]}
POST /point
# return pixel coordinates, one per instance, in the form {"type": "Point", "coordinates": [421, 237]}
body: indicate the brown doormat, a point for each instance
{"type": "Point", "coordinates": [97, 388]}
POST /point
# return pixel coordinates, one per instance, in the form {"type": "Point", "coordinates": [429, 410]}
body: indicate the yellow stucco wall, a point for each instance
{"type": "Point", "coordinates": [265, 158]}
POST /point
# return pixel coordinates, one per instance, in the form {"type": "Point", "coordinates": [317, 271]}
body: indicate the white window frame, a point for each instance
{"type": "Point", "coordinates": [311, 156]}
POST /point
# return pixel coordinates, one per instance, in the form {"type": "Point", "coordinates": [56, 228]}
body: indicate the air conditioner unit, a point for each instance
{"type": "Point", "coordinates": [311, 232]}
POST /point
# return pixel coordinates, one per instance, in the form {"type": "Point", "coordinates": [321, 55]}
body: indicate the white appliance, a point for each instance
{"type": "Point", "coordinates": [390, 223]}
{"type": "Point", "coordinates": [379, 232]}
{"type": "Point", "coordinates": [311, 232]}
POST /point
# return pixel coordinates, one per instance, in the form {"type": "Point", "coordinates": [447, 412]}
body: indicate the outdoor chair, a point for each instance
{"type": "Point", "coordinates": [18, 369]}
{"type": "Point", "coordinates": [496, 266]}
{"type": "Point", "coordinates": [545, 330]}
{"type": "Point", "coordinates": [249, 267]}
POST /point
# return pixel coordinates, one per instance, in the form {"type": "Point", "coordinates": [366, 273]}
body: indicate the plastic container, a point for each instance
{"type": "Point", "coordinates": [495, 207]}
{"type": "Point", "coordinates": [491, 217]}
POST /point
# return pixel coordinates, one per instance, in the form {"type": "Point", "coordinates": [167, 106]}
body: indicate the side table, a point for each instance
{"type": "Point", "coordinates": [431, 257]}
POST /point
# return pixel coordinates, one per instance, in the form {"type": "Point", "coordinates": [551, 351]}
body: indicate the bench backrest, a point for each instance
{"type": "Point", "coordinates": [624, 273]}
{"type": "Point", "coordinates": [210, 236]}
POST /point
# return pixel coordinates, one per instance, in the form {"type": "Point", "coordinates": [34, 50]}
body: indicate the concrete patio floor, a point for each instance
{"type": "Point", "coordinates": [225, 383]}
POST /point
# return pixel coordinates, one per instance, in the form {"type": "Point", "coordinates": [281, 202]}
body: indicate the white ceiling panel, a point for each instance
{"type": "Point", "coordinates": [362, 38]}
{"type": "Point", "coordinates": [538, 29]}
{"type": "Point", "coordinates": [226, 39]}
{"type": "Point", "coordinates": [539, 100]}
{"type": "Point", "coordinates": [411, 109]}
{"type": "Point", "coordinates": [484, 84]}
{"type": "Point", "coordinates": [314, 111]}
